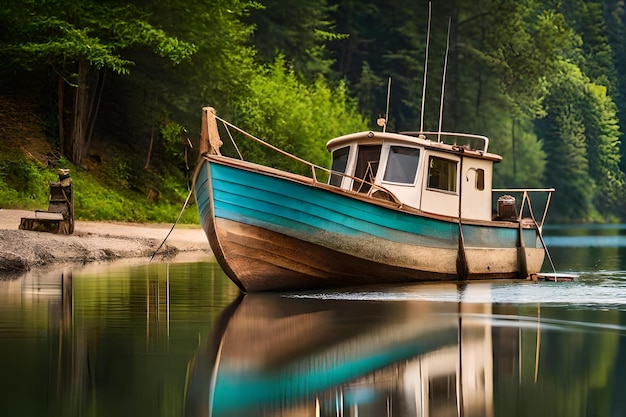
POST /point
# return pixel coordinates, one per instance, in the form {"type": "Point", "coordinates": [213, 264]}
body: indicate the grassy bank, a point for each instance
{"type": "Point", "coordinates": [113, 185]}
{"type": "Point", "coordinates": [24, 185]}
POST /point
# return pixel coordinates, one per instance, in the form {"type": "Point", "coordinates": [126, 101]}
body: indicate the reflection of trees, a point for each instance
{"type": "Point", "coordinates": [573, 373]}
{"type": "Point", "coordinates": [74, 365]}
{"type": "Point", "coordinates": [83, 358]}
{"type": "Point", "coordinates": [589, 258]}
{"type": "Point", "coordinates": [588, 248]}
{"type": "Point", "coordinates": [120, 341]}
{"type": "Point", "coordinates": [124, 349]}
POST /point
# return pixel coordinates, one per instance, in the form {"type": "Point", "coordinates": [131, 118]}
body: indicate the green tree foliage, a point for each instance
{"type": "Point", "coordinates": [503, 52]}
{"type": "Point", "coordinates": [544, 80]}
{"type": "Point", "coordinates": [23, 181]}
{"type": "Point", "coordinates": [614, 14]}
{"type": "Point", "coordinates": [159, 94]}
{"type": "Point", "coordinates": [388, 40]}
{"type": "Point", "coordinates": [512, 46]}
{"type": "Point", "coordinates": [294, 116]}
{"type": "Point", "coordinates": [602, 133]}
{"type": "Point", "coordinates": [580, 146]}
{"type": "Point", "coordinates": [296, 29]}
{"type": "Point", "coordinates": [595, 55]}
{"type": "Point", "coordinates": [215, 74]}
{"type": "Point", "coordinates": [80, 40]}
{"type": "Point", "coordinates": [524, 152]}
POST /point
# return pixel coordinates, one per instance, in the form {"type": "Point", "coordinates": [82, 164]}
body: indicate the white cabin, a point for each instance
{"type": "Point", "coordinates": [419, 169]}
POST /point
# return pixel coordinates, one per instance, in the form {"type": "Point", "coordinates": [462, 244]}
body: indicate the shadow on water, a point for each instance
{"type": "Point", "coordinates": [179, 339]}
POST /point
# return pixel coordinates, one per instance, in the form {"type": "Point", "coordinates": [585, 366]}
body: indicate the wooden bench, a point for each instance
{"type": "Point", "coordinates": [59, 218]}
{"type": "Point", "coordinates": [44, 221]}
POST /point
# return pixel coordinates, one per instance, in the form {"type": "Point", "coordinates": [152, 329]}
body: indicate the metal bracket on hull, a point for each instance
{"type": "Point", "coordinates": [522, 264]}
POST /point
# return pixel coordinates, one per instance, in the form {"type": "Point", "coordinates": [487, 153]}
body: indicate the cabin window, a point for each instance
{"type": "Point", "coordinates": [366, 167]}
{"type": "Point", "coordinates": [402, 165]}
{"type": "Point", "coordinates": [480, 179]}
{"type": "Point", "coordinates": [442, 174]}
{"type": "Point", "coordinates": [340, 162]}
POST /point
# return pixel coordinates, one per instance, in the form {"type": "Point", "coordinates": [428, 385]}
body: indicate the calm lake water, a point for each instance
{"type": "Point", "coordinates": [179, 340]}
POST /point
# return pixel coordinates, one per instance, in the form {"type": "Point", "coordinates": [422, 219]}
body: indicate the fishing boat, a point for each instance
{"type": "Point", "coordinates": [393, 208]}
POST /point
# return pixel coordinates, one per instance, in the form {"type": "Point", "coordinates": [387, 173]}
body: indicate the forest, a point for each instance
{"type": "Point", "coordinates": [118, 87]}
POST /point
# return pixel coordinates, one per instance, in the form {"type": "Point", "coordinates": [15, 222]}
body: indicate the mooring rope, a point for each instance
{"type": "Point", "coordinates": [230, 135]}
{"type": "Point", "coordinates": [174, 225]}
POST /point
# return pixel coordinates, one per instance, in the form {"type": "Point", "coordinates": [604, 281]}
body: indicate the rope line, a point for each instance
{"type": "Point", "coordinates": [174, 225]}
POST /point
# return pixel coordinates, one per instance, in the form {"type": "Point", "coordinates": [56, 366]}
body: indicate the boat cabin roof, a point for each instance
{"type": "Point", "coordinates": [469, 144]}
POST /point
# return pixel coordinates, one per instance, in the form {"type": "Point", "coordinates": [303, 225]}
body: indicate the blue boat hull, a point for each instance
{"type": "Point", "coordinates": [270, 231]}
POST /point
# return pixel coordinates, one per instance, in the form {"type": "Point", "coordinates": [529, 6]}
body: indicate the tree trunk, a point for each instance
{"type": "Point", "coordinates": [96, 98]}
{"type": "Point", "coordinates": [81, 114]}
{"type": "Point", "coordinates": [90, 83]}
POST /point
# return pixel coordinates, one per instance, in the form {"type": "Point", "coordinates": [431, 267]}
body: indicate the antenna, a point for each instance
{"type": "Point", "coordinates": [387, 111]}
{"type": "Point", "coordinates": [425, 69]}
{"type": "Point", "coordinates": [382, 121]}
{"type": "Point", "coordinates": [443, 81]}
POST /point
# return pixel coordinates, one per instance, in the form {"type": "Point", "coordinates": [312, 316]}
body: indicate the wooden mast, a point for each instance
{"type": "Point", "coordinates": [210, 141]}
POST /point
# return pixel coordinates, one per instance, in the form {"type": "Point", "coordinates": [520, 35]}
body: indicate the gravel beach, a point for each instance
{"type": "Point", "coordinates": [22, 250]}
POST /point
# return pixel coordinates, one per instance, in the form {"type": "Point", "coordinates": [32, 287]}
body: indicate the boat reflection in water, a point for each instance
{"type": "Point", "coordinates": [279, 355]}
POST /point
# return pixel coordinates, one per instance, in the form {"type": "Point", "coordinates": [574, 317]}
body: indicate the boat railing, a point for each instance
{"type": "Point", "coordinates": [471, 141]}
{"type": "Point", "coordinates": [527, 204]}
{"type": "Point", "coordinates": [372, 190]}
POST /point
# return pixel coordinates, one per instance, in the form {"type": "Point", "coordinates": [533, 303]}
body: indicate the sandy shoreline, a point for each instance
{"type": "Point", "coordinates": [22, 250]}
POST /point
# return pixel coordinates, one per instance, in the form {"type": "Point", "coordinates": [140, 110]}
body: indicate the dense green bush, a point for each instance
{"type": "Point", "coordinates": [23, 182]}
{"type": "Point", "coordinates": [293, 116]}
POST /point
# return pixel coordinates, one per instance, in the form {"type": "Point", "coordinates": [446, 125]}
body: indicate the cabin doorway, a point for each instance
{"type": "Point", "coordinates": [366, 168]}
